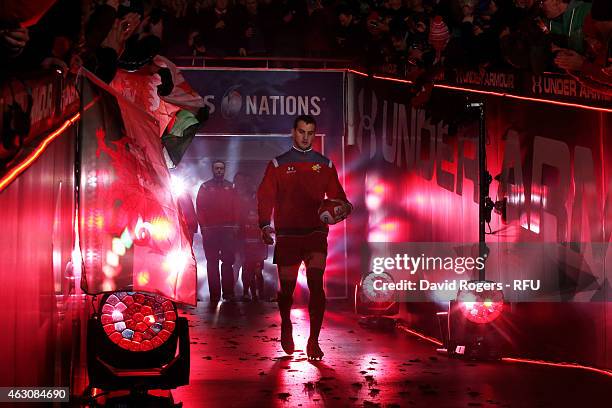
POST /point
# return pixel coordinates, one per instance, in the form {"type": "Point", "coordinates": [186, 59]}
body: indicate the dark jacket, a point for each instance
{"type": "Point", "coordinates": [257, 43]}
{"type": "Point", "coordinates": [220, 41]}
{"type": "Point", "coordinates": [350, 40]}
{"type": "Point", "coordinates": [216, 205]}
{"type": "Point", "coordinates": [569, 25]}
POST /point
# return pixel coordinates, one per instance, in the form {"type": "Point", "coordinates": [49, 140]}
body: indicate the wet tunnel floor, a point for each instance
{"type": "Point", "coordinates": [236, 361]}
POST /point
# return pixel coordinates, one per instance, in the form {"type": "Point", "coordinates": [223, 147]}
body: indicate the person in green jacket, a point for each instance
{"type": "Point", "coordinates": [565, 18]}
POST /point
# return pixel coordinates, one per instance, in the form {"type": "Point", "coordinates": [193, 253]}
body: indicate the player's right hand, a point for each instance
{"type": "Point", "coordinates": [266, 235]}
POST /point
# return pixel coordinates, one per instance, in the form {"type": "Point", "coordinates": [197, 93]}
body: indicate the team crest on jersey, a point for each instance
{"type": "Point", "coordinates": [290, 169]}
{"type": "Point", "coordinates": [316, 167]}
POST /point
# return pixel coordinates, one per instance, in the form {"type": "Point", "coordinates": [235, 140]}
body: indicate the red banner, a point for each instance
{"type": "Point", "coordinates": [132, 234]}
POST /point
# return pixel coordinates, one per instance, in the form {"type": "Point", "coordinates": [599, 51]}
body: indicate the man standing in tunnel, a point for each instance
{"type": "Point", "coordinates": [215, 206]}
{"type": "Point", "coordinates": [293, 187]}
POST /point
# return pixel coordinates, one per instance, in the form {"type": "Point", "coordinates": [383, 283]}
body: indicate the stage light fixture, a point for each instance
{"type": "Point", "coordinates": [472, 327]}
{"type": "Point", "coordinates": [370, 301]}
{"type": "Point", "coordinates": [137, 342]}
{"type": "Point", "coordinates": [481, 307]}
{"type": "Point", "coordinates": [138, 322]}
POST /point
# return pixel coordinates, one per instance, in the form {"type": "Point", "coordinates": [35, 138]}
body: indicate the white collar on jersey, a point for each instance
{"type": "Point", "coordinates": [300, 150]}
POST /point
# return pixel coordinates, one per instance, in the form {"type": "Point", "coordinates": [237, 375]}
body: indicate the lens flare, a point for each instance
{"type": "Point", "coordinates": [177, 186]}
{"type": "Point", "coordinates": [161, 229]}
{"type": "Point", "coordinates": [481, 307]}
{"type": "Point", "coordinates": [176, 261]}
{"type": "Point", "coordinates": [118, 247]}
{"type": "Point", "coordinates": [143, 278]}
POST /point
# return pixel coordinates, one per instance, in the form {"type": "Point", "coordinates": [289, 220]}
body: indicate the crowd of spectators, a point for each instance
{"type": "Point", "coordinates": [406, 38]}
{"type": "Point", "coordinates": [398, 37]}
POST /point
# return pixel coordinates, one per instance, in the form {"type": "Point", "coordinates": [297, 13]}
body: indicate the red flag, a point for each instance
{"type": "Point", "coordinates": [132, 234]}
{"type": "Point", "coordinates": [140, 87]}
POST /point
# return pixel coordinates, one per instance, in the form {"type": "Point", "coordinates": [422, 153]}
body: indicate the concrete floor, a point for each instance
{"type": "Point", "coordinates": [236, 361]}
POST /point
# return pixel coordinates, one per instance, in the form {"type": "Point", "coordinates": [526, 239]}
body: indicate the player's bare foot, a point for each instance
{"type": "Point", "coordinates": [313, 351]}
{"type": "Point", "coordinates": [287, 338]}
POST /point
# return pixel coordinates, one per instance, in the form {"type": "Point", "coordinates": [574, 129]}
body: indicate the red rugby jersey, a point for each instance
{"type": "Point", "coordinates": [294, 185]}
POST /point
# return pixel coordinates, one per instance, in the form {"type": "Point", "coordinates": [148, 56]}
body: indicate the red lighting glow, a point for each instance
{"type": "Point", "coordinates": [419, 335]}
{"type": "Point", "coordinates": [562, 365]}
{"type": "Point", "coordinates": [501, 94]}
{"type": "Point", "coordinates": [481, 307]}
{"type": "Point", "coordinates": [138, 321]}
{"type": "Point", "coordinates": [12, 175]}
{"type": "Point", "coordinates": [523, 98]}
{"type": "Point", "coordinates": [513, 359]}
{"type": "Point", "coordinates": [482, 312]}
{"type": "Point", "coordinates": [161, 229]}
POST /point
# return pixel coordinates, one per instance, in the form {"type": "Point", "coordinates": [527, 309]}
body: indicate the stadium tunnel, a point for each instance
{"type": "Point", "coordinates": [416, 180]}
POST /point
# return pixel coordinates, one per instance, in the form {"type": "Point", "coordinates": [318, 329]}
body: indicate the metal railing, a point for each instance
{"type": "Point", "coordinates": [261, 62]}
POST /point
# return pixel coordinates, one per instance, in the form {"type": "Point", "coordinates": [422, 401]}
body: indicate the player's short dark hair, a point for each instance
{"type": "Point", "coordinates": [307, 119]}
{"type": "Point", "coordinates": [212, 165]}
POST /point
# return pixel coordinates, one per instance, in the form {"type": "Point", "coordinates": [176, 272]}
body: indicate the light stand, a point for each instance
{"type": "Point", "coordinates": [470, 321]}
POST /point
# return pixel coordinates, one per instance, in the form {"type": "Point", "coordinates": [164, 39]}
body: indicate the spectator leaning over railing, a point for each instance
{"type": "Point", "coordinates": [16, 21]}
{"type": "Point", "coordinates": [398, 58]}
{"type": "Point", "coordinates": [218, 29]}
{"type": "Point", "coordinates": [463, 49]}
{"type": "Point", "coordinates": [318, 40]}
{"type": "Point", "coordinates": [179, 19]}
{"type": "Point", "coordinates": [594, 70]}
{"type": "Point", "coordinates": [487, 28]}
{"type": "Point", "coordinates": [349, 33]}
{"type": "Point", "coordinates": [12, 42]}
{"type": "Point", "coordinates": [377, 49]}
{"type": "Point", "coordinates": [565, 20]}
{"type": "Point", "coordinates": [525, 41]}
{"type": "Point", "coordinates": [396, 14]}
{"type": "Point", "coordinates": [252, 29]}
{"type": "Point", "coordinates": [288, 22]}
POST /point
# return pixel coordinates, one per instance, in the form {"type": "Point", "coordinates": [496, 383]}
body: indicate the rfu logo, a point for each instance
{"type": "Point", "coordinates": [290, 169]}
{"type": "Point", "coordinates": [316, 167]}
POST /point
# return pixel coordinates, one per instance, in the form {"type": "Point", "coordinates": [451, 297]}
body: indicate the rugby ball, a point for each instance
{"type": "Point", "coordinates": [330, 211]}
